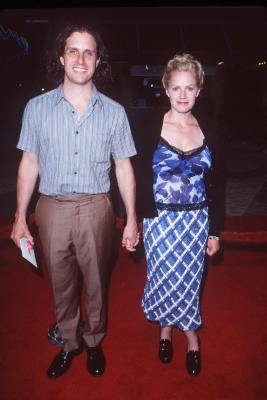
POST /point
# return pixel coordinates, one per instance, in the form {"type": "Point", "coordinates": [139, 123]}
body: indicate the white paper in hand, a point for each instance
{"type": "Point", "coordinates": [28, 251]}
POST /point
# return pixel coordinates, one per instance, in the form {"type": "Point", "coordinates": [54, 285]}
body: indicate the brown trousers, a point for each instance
{"type": "Point", "coordinates": [76, 233]}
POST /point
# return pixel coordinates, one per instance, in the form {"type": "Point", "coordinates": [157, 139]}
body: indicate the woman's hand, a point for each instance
{"type": "Point", "coordinates": [213, 245]}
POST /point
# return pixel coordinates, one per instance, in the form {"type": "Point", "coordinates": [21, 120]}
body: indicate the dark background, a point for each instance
{"type": "Point", "coordinates": [230, 41]}
{"type": "Point", "coordinates": [140, 41]}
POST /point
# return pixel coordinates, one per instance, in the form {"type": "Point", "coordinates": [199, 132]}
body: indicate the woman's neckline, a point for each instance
{"type": "Point", "coordinates": [188, 152]}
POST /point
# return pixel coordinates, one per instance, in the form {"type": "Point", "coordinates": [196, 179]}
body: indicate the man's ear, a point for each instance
{"type": "Point", "coordinates": [62, 60]}
{"type": "Point", "coordinates": [198, 92]}
{"type": "Point", "coordinates": [97, 62]}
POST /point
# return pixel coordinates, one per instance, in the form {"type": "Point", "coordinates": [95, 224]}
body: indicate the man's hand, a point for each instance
{"type": "Point", "coordinates": [20, 229]}
{"type": "Point", "coordinates": [130, 237]}
{"type": "Point", "coordinates": [213, 246]}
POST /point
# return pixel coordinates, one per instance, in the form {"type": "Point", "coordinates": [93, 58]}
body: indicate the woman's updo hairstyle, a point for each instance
{"type": "Point", "coordinates": [183, 62]}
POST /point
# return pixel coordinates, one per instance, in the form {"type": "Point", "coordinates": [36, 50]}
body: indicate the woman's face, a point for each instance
{"type": "Point", "coordinates": [182, 90]}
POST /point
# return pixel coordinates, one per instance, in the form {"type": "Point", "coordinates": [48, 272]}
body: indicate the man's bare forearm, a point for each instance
{"type": "Point", "coordinates": [127, 187]}
{"type": "Point", "coordinates": [27, 176]}
{"type": "Point", "coordinates": [126, 184]}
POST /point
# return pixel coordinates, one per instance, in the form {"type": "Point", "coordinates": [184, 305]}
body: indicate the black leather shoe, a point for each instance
{"type": "Point", "coordinates": [165, 350]}
{"type": "Point", "coordinates": [193, 362]}
{"type": "Point", "coordinates": [96, 362]}
{"type": "Point", "coordinates": [61, 363]}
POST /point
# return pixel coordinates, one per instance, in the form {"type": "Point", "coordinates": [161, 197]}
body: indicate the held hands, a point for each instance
{"type": "Point", "coordinates": [20, 229]}
{"type": "Point", "coordinates": [130, 237]}
{"type": "Point", "coordinates": [213, 245]}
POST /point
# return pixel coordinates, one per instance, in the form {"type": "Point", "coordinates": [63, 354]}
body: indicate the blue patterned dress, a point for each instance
{"type": "Point", "coordinates": [175, 241]}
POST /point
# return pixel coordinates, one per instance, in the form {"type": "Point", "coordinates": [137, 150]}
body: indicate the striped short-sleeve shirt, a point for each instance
{"type": "Point", "coordinates": [74, 153]}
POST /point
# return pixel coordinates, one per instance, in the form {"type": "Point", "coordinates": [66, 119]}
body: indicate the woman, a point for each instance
{"type": "Point", "coordinates": [184, 212]}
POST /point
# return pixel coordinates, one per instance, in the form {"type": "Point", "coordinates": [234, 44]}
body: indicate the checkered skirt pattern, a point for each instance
{"type": "Point", "coordinates": [175, 246]}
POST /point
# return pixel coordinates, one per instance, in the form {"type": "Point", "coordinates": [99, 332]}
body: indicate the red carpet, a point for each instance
{"type": "Point", "coordinates": [233, 337]}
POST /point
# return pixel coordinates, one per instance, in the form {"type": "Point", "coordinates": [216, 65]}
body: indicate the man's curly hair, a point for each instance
{"type": "Point", "coordinates": [54, 68]}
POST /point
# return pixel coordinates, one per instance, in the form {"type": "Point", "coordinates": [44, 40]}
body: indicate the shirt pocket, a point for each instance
{"type": "Point", "coordinates": [99, 148]}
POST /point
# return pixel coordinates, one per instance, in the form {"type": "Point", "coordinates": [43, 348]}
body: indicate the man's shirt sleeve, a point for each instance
{"type": "Point", "coordinates": [122, 141]}
{"type": "Point", "coordinates": [28, 140]}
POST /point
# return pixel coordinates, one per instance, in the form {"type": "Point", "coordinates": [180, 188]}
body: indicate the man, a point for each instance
{"type": "Point", "coordinates": [68, 136]}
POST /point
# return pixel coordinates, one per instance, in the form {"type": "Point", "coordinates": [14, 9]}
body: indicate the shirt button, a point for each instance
{"type": "Point", "coordinates": [76, 152]}
{"type": "Point", "coordinates": [75, 173]}
{"type": "Point", "coordinates": [77, 132]}
{"type": "Point", "coordinates": [74, 191]}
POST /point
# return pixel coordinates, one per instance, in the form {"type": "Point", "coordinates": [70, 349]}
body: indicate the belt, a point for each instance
{"type": "Point", "coordinates": [182, 207]}
{"type": "Point", "coordinates": [76, 197]}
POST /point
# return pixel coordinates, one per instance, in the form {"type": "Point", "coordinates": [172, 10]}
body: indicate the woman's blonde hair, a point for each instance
{"type": "Point", "coordinates": [183, 62]}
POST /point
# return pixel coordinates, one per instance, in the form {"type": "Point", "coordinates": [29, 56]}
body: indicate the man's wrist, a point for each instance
{"type": "Point", "coordinates": [20, 217]}
{"type": "Point", "coordinates": [131, 218]}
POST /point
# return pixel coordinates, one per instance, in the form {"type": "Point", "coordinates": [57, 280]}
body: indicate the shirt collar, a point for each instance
{"type": "Point", "coordinates": [96, 98]}
{"type": "Point", "coordinates": [59, 94]}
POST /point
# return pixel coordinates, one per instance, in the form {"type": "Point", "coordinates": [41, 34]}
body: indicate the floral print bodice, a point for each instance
{"type": "Point", "coordinates": [179, 176]}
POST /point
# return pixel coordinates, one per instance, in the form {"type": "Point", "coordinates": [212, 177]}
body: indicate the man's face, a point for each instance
{"type": "Point", "coordinates": [79, 58]}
